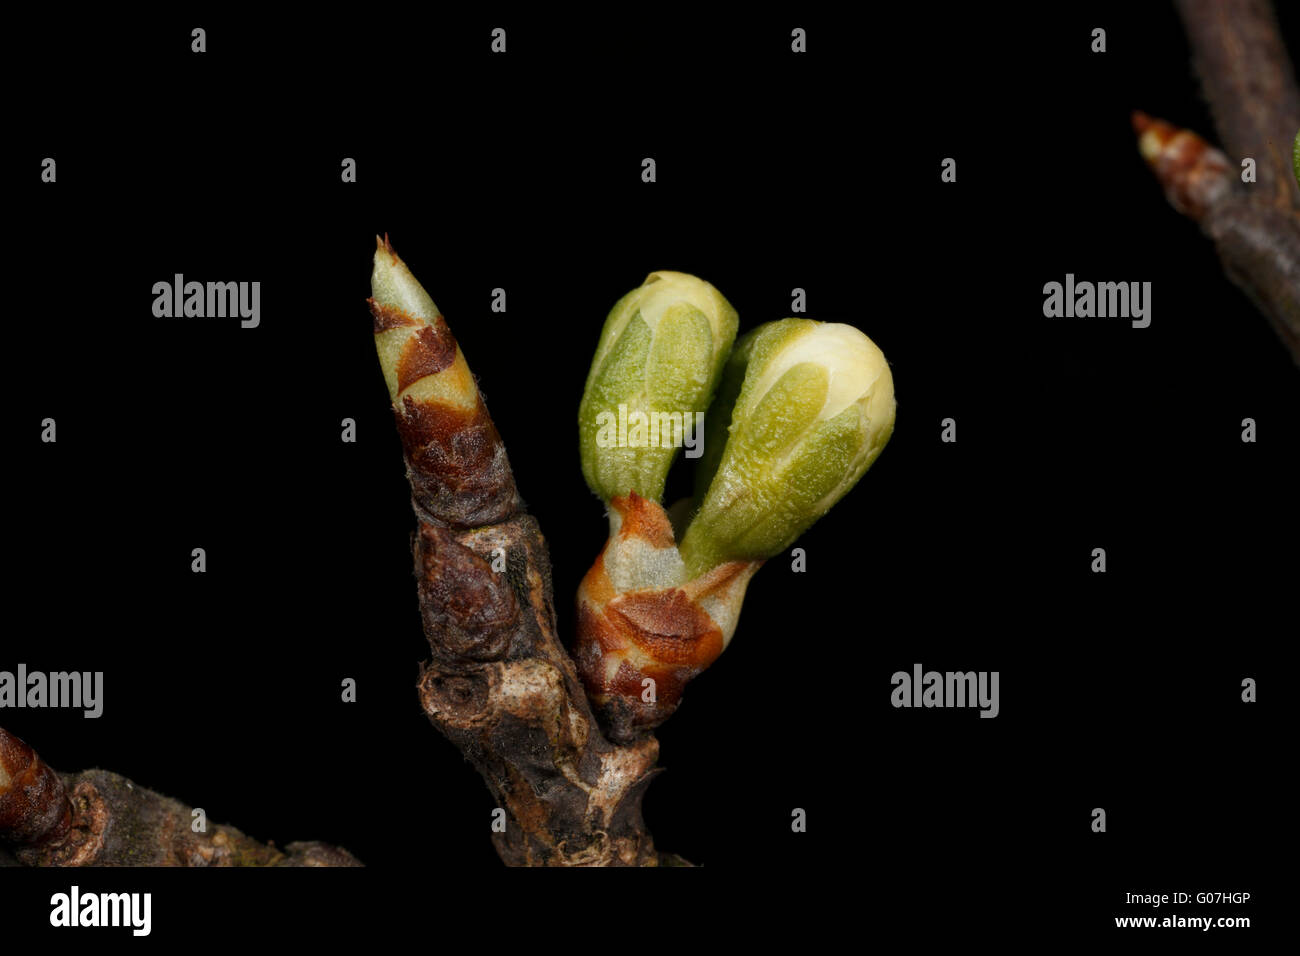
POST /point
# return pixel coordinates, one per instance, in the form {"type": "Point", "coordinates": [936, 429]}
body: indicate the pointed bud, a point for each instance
{"type": "Point", "coordinates": [808, 406]}
{"type": "Point", "coordinates": [658, 361]}
{"type": "Point", "coordinates": [1193, 173]}
{"type": "Point", "coordinates": [456, 462]}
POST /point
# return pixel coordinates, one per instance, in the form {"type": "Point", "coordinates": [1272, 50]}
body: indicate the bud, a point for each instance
{"type": "Point", "coordinates": [1295, 157]}
{"type": "Point", "coordinates": [417, 352]}
{"type": "Point", "coordinates": [1193, 173]}
{"type": "Point", "coordinates": [660, 357]}
{"type": "Point", "coordinates": [807, 407]}
{"type": "Point", "coordinates": [455, 460]}
{"type": "Point", "coordinates": [641, 617]}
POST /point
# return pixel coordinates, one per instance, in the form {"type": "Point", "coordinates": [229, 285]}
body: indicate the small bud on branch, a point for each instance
{"type": "Point", "coordinates": [1193, 173]}
{"type": "Point", "coordinates": [1258, 240]}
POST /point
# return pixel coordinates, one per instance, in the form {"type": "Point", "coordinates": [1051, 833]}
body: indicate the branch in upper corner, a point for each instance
{"type": "Point", "coordinates": [1250, 84]}
{"type": "Point", "coordinates": [1257, 242]}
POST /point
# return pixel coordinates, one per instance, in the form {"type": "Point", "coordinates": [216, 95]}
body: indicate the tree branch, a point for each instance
{"type": "Point", "coordinates": [500, 685]}
{"type": "Point", "coordinates": [97, 818]}
{"type": "Point", "coordinates": [1249, 82]}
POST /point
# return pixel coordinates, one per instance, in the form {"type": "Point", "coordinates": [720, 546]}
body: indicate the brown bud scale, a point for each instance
{"type": "Point", "coordinates": [1193, 173]}
{"type": "Point", "coordinates": [456, 463]}
{"type": "Point", "coordinates": [666, 634]}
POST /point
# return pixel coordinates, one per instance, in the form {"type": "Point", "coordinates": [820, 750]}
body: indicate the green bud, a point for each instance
{"type": "Point", "coordinates": [660, 356]}
{"type": "Point", "coordinates": [805, 408]}
{"type": "Point", "coordinates": [1295, 156]}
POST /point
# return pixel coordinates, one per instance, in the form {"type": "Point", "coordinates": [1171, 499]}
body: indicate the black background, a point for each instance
{"type": "Point", "coordinates": [775, 171]}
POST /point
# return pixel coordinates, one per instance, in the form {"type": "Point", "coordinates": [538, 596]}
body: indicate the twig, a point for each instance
{"type": "Point", "coordinates": [500, 685]}
{"type": "Point", "coordinates": [98, 818]}
{"type": "Point", "coordinates": [1249, 82]}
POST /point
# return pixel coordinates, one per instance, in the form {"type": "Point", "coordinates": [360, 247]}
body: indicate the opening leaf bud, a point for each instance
{"type": "Point", "coordinates": [658, 362]}
{"type": "Point", "coordinates": [805, 408]}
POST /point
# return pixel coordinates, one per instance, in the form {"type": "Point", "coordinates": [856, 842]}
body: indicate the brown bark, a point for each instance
{"type": "Point", "coordinates": [1249, 82]}
{"type": "Point", "coordinates": [96, 818]}
{"type": "Point", "coordinates": [500, 685]}
{"type": "Point", "coordinates": [1260, 250]}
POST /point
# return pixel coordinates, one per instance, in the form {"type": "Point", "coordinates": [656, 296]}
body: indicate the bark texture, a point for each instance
{"type": "Point", "coordinates": [97, 818]}
{"type": "Point", "coordinates": [500, 685]}
{"type": "Point", "coordinates": [1249, 82]}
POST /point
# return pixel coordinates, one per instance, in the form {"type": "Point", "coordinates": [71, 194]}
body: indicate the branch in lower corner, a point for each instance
{"type": "Point", "coordinates": [97, 818]}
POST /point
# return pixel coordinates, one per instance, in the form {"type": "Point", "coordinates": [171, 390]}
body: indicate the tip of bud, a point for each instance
{"type": "Point", "coordinates": [392, 286]}
{"type": "Point", "coordinates": [1153, 135]}
{"type": "Point", "coordinates": [383, 245]}
{"type": "Point", "coordinates": [1193, 173]}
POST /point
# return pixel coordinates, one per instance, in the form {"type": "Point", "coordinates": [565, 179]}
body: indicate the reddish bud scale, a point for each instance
{"type": "Point", "coordinates": [456, 461]}
{"type": "Point", "coordinates": [1193, 173]}
{"type": "Point", "coordinates": [665, 634]}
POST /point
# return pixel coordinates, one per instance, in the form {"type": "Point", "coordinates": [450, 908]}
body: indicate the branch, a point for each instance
{"type": "Point", "coordinates": [97, 818]}
{"type": "Point", "coordinates": [500, 685]}
{"type": "Point", "coordinates": [1248, 80]}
